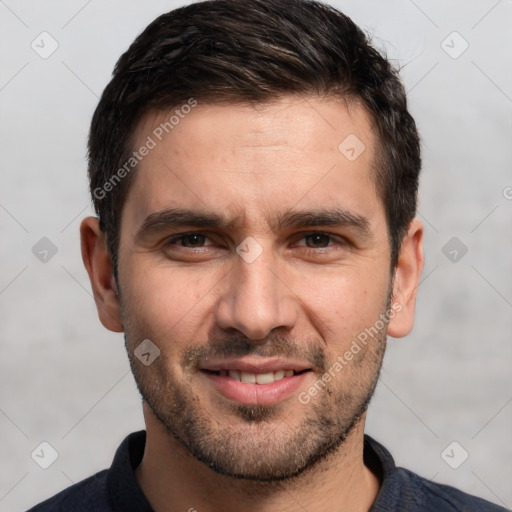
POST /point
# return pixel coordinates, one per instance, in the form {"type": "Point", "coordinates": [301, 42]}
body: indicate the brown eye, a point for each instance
{"type": "Point", "coordinates": [317, 240]}
{"type": "Point", "coordinates": [191, 240]}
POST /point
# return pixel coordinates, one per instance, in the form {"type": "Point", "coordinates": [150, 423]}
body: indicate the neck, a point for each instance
{"type": "Point", "coordinates": [172, 479]}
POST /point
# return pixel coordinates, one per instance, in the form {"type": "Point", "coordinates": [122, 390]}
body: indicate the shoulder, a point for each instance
{"type": "Point", "coordinates": [404, 491]}
{"type": "Point", "coordinates": [423, 494]}
{"type": "Point", "coordinates": [89, 494]}
{"type": "Point", "coordinates": [117, 485]}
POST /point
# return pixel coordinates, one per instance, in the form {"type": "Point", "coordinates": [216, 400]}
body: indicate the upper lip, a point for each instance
{"type": "Point", "coordinates": [254, 365]}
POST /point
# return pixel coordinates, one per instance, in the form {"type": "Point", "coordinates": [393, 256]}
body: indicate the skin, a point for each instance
{"type": "Point", "coordinates": [303, 297]}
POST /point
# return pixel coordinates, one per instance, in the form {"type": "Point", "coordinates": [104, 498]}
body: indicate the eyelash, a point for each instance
{"type": "Point", "coordinates": [332, 238]}
{"type": "Point", "coordinates": [176, 238]}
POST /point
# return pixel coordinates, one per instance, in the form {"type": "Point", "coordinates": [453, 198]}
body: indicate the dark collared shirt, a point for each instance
{"type": "Point", "coordinates": [117, 490]}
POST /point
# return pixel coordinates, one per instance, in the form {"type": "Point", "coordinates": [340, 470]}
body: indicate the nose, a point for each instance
{"type": "Point", "coordinates": [256, 299]}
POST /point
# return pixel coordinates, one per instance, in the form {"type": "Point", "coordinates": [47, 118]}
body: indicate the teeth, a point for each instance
{"type": "Point", "coordinates": [250, 378]}
{"type": "Point", "coordinates": [234, 374]}
{"type": "Point", "coordinates": [253, 378]}
{"type": "Point", "coordinates": [265, 378]}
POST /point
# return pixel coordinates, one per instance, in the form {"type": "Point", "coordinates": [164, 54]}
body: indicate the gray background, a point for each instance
{"type": "Point", "coordinates": [65, 380]}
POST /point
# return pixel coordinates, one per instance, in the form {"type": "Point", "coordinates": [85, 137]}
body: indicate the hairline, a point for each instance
{"type": "Point", "coordinates": [379, 163]}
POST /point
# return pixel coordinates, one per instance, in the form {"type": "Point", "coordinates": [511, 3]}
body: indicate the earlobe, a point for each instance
{"type": "Point", "coordinates": [98, 264]}
{"type": "Point", "coordinates": [406, 280]}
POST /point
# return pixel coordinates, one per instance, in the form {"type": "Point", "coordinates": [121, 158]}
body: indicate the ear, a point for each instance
{"type": "Point", "coordinates": [97, 261]}
{"type": "Point", "coordinates": [406, 280]}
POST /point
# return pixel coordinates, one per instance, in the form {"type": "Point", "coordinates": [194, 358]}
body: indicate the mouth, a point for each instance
{"type": "Point", "coordinates": [256, 382]}
{"type": "Point", "coordinates": [256, 378]}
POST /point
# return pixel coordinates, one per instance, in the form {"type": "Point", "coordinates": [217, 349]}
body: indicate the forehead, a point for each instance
{"type": "Point", "coordinates": [254, 161]}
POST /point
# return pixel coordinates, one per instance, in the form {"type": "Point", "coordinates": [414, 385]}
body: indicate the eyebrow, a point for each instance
{"type": "Point", "coordinates": [337, 217]}
{"type": "Point", "coordinates": [180, 217]}
{"type": "Point", "coordinates": [172, 218]}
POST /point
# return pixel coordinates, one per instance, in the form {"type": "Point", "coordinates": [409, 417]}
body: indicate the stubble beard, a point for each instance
{"type": "Point", "coordinates": [261, 443]}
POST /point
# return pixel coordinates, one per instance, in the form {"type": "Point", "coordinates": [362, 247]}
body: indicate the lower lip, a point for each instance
{"type": "Point", "coordinates": [256, 394]}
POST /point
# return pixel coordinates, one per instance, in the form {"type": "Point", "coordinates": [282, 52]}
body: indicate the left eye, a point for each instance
{"type": "Point", "coordinates": [192, 240]}
{"type": "Point", "coordinates": [317, 240]}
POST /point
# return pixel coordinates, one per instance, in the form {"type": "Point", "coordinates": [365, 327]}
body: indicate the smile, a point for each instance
{"type": "Point", "coordinates": [256, 378]}
{"type": "Point", "coordinates": [268, 386]}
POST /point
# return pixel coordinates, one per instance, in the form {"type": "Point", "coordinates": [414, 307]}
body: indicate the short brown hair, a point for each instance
{"type": "Point", "coordinates": [252, 51]}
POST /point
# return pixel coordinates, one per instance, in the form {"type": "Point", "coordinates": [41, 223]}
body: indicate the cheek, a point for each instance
{"type": "Point", "coordinates": [166, 303]}
{"type": "Point", "coordinates": [344, 303]}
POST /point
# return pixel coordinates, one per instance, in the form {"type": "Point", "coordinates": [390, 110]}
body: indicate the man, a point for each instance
{"type": "Point", "coordinates": [255, 171]}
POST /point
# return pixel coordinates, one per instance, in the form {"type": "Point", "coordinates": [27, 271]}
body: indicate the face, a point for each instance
{"type": "Point", "coordinates": [254, 251]}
